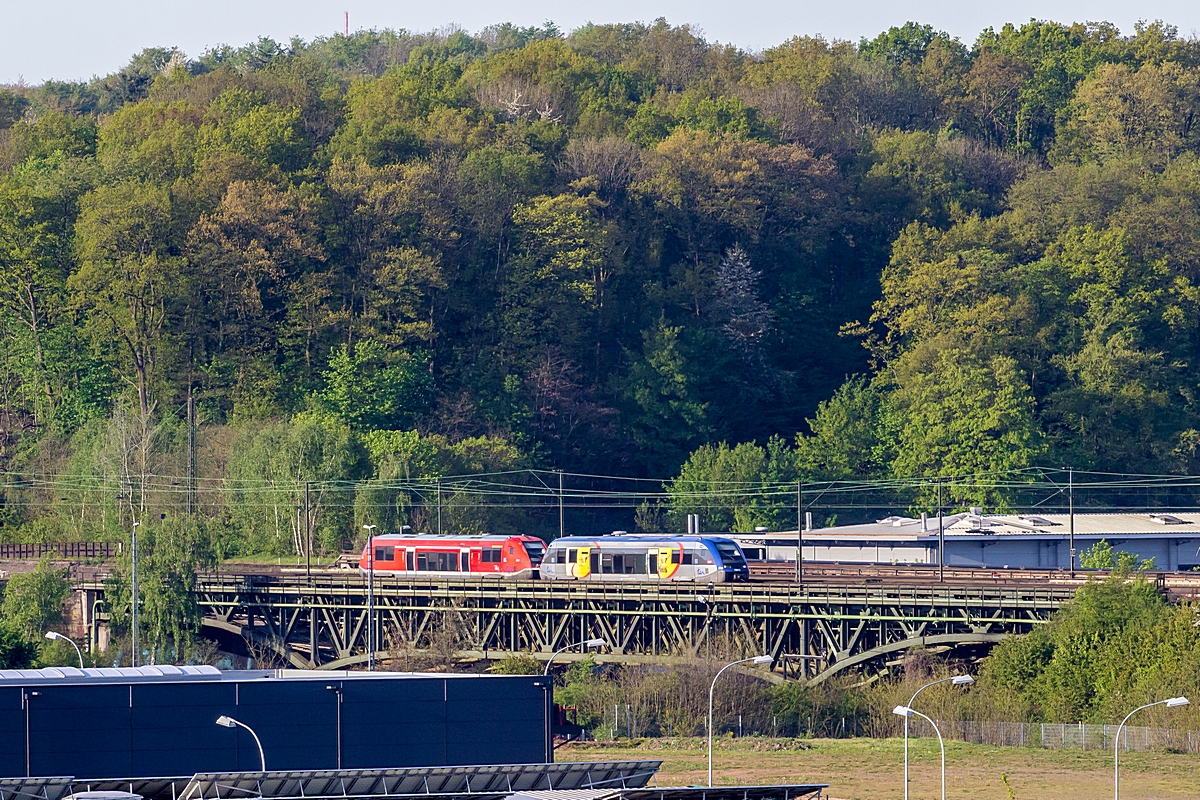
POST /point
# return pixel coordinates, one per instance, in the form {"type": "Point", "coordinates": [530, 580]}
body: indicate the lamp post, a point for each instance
{"type": "Point", "coordinates": [230, 722]}
{"type": "Point", "coordinates": [337, 690]}
{"type": "Point", "coordinates": [370, 529]}
{"type": "Point", "coordinates": [133, 660]}
{"type": "Point", "coordinates": [756, 660]}
{"type": "Point", "coordinates": [957, 680]}
{"type": "Point", "coordinates": [1174, 702]}
{"type": "Point", "coordinates": [54, 636]}
{"type": "Point", "coordinates": [590, 644]}
{"type": "Point", "coordinates": [906, 712]}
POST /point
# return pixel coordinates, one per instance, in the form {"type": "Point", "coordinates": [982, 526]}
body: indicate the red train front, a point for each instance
{"type": "Point", "coordinates": [430, 555]}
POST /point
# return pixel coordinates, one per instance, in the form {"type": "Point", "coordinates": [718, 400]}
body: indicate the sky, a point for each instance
{"type": "Point", "coordinates": [78, 39]}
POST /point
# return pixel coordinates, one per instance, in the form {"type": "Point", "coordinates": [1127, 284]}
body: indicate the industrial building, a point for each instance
{"type": "Point", "coordinates": [162, 720]}
{"type": "Point", "coordinates": [974, 539]}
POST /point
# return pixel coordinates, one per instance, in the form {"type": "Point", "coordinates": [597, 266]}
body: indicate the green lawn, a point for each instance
{"type": "Point", "coordinates": [872, 769]}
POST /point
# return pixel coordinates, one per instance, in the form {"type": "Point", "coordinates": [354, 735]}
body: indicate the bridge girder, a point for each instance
{"type": "Point", "coordinates": [322, 624]}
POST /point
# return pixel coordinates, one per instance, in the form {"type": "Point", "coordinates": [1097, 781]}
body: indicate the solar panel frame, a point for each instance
{"type": "Point", "coordinates": [52, 788]}
{"type": "Point", "coordinates": [476, 782]}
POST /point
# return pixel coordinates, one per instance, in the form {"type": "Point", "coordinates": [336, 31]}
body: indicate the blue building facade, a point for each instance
{"type": "Point", "coordinates": [161, 721]}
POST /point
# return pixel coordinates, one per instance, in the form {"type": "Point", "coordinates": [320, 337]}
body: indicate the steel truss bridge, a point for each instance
{"type": "Point", "coordinates": [814, 631]}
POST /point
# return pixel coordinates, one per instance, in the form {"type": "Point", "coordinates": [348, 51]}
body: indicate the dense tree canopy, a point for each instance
{"type": "Point", "coordinates": [608, 251]}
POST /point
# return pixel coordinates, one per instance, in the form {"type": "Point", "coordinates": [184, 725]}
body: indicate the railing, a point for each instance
{"type": "Point", "coordinates": [69, 550]}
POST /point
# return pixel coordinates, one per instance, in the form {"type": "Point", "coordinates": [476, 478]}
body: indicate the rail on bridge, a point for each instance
{"type": "Point", "coordinates": [822, 630]}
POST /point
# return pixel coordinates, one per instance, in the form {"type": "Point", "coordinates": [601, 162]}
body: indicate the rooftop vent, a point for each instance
{"type": "Point", "coordinates": [761, 529]}
{"type": "Point", "coordinates": [1168, 519]}
{"type": "Point", "coordinates": [1040, 521]}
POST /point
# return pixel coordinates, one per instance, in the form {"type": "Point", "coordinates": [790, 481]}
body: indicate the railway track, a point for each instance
{"type": "Point", "coordinates": [1178, 585]}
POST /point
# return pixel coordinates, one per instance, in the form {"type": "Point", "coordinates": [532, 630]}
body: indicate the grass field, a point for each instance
{"type": "Point", "coordinates": [873, 769]}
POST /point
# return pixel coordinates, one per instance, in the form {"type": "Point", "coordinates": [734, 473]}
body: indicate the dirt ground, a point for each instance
{"type": "Point", "coordinates": [873, 769]}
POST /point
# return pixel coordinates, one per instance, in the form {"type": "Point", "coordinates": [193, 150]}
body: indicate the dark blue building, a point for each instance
{"type": "Point", "coordinates": [161, 721]}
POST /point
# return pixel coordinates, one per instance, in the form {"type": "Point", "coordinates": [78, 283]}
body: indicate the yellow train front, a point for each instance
{"type": "Point", "coordinates": [642, 558]}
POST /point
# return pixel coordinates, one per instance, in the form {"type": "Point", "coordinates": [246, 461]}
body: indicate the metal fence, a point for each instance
{"type": "Point", "coordinates": [68, 550]}
{"type": "Point", "coordinates": [1058, 736]}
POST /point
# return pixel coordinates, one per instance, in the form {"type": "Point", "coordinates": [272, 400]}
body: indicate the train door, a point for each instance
{"type": "Point", "coordinates": [668, 561]}
{"type": "Point", "coordinates": [465, 560]}
{"type": "Point", "coordinates": [594, 561]}
{"type": "Point", "coordinates": [409, 554]}
{"type": "Point", "coordinates": [652, 561]}
{"type": "Point", "coordinates": [582, 566]}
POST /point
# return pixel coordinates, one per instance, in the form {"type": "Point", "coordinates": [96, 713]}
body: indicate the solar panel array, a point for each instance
{"type": "Point", "coordinates": [479, 782]}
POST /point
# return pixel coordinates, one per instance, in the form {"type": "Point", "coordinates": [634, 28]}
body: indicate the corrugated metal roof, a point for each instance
{"type": "Point", "coordinates": [69, 673]}
{"type": "Point", "coordinates": [899, 528]}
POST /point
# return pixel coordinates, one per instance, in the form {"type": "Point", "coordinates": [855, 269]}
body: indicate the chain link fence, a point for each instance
{"type": "Point", "coordinates": [1059, 736]}
{"type": "Point", "coordinates": [625, 721]}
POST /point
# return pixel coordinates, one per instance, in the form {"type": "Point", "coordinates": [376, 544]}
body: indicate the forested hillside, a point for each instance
{"type": "Point", "coordinates": [395, 255]}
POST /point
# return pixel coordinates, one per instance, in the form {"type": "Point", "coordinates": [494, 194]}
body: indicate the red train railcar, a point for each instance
{"type": "Point", "coordinates": [430, 555]}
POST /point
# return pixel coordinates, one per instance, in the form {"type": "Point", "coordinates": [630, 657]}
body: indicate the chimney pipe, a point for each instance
{"type": "Point", "coordinates": [807, 521]}
{"type": "Point", "coordinates": [924, 522]}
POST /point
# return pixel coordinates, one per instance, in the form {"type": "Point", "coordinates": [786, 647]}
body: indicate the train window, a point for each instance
{"type": "Point", "coordinates": [730, 553]}
{"type": "Point", "coordinates": [687, 558]}
{"type": "Point", "coordinates": [491, 555]}
{"type": "Point", "coordinates": [560, 557]}
{"type": "Point", "coordinates": [385, 554]}
{"type": "Point", "coordinates": [606, 563]}
{"type": "Point", "coordinates": [535, 551]}
{"type": "Point", "coordinates": [438, 562]}
{"type": "Point", "coordinates": [675, 556]}
{"type": "Point", "coordinates": [510, 551]}
{"type": "Point", "coordinates": [571, 555]}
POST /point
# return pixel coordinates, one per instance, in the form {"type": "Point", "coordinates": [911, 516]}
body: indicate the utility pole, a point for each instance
{"type": "Point", "coordinates": [370, 529]}
{"type": "Point", "coordinates": [134, 593]}
{"type": "Point", "coordinates": [308, 531]}
{"type": "Point", "coordinates": [439, 504]}
{"type": "Point", "coordinates": [941, 538]}
{"type": "Point", "coordinates": [561, 526]}
{"type": "Point", "coordinates": [799, 533]}
{"type": "Point", "coordinates": [191, 446]}
{"type": "Point", "coordinates": [1071, 509]}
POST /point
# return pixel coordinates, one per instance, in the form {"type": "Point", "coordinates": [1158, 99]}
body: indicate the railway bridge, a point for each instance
{"type": "Point", "coordinates": [814, 631]}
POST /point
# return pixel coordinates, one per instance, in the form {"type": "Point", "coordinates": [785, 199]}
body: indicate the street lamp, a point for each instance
{"type": "Point", "coordinates": [370, 529]}
{"type": "Point", "coordinates": [906, 712]}
{"type": "Point", "coordinates": [1174, 702]}
{"type": "Point", "coordinates": [756, 660]}
{"type": "Point", "coordinates": [957, 680]}
{"type": "Point", "coordinates": [54, 636]}
{"type": "Point", "coordinates": [590, 644]}
{"type": "Point", "coordinates": [230, 722]}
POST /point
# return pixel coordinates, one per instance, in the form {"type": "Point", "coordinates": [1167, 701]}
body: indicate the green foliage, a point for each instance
{"type": "Point", "coordinates": [604, 252]}
{"type": "Point", "coordinates": [16, 652]}
{"type": "Point", "coordinates": [372, 389]}
{"type": "Point", "coordinates": [170, 553]}
{"type": "Point", "coordinates": [519, 664]}
{"type": "Point", "coordinates": [1101, 555]}
{"type": "Point", "coordinates": [283, 456]}
{"type": "Point", "coordinates": [740, 487]}
{"type": "Point", "coordinates": [33, 601]}
{"type": "Point", "coordinates": [1117, 645]}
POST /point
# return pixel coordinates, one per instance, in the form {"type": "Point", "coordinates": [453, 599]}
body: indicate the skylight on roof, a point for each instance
{"type": "Point", "coordinates": [1168, 519]}
{"type": "Point", "coordinates": [1037, 520]}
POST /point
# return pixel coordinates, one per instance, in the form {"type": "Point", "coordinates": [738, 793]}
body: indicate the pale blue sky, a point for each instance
{"type": "Point", "coordinates": [76, 39]}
